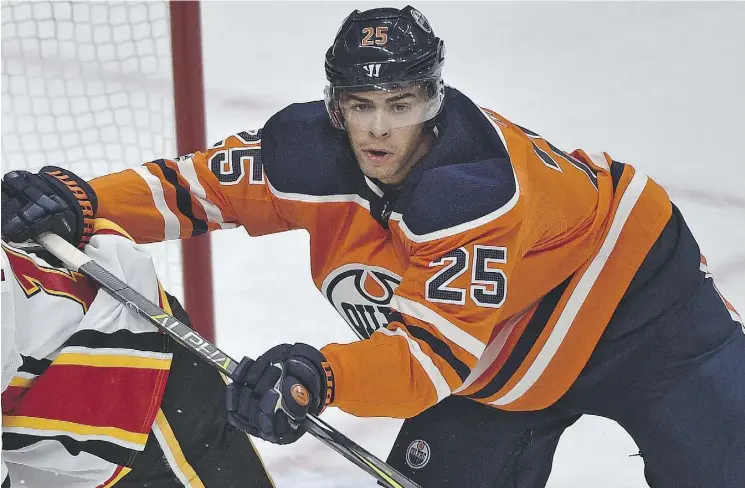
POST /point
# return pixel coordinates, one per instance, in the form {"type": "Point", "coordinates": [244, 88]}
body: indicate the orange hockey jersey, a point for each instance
{"type": "Point", "coordinates": [491, 272]}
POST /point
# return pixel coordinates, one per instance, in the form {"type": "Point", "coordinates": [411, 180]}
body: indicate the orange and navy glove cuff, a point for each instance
{"type": "Point", "coordinates": [79, 195]}
{"type": "Point", "coordinates": [324, 376]}
{"type": "Point", "coordinates": [330, 385]}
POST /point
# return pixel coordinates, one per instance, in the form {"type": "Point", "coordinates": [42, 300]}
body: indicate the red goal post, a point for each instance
{"type": "Point", "coordinates": [188, 89]}
{"type": "Point", "coordinates": [101, 86]}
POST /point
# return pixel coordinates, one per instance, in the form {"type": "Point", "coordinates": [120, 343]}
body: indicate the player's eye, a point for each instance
{"type": "Point", "coordinates": [361, 107]}
{"type": "Point", "coordinates": [400, 108]}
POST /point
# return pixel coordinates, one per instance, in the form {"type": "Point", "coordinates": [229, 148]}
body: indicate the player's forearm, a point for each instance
{"type": "Point", "coordinates": [382, 377]}
{"type": "Point", "coordinates": [164, 200]}
{"type": "Point", "coordinates": [126, 199]}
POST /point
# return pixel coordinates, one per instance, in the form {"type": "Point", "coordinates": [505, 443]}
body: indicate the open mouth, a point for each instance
{"type": "Point", "coordinates": [376, 154]}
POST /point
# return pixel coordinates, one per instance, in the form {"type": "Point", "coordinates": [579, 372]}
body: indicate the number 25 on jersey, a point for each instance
{"type": "Point", "coordinates": [488, 286]}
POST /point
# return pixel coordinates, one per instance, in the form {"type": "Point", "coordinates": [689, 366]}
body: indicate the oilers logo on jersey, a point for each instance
{"type": "Point", "coordinates": [362, 295]}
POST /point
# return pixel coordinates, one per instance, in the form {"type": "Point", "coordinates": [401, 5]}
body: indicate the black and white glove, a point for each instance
{"type": "Point", "coordinates": [271, 396]}
{"type": "Point", "coordinates": [52, 200]}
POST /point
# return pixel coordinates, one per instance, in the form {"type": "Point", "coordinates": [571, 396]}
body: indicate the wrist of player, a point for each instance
{"type": "Point", "coordinates": [271, 396]}
{"type": "Point", "coordinates": [52, 200]}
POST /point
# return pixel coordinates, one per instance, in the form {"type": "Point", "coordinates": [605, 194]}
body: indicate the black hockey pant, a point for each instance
{"type": "Point", "coordinates": [191, 442]}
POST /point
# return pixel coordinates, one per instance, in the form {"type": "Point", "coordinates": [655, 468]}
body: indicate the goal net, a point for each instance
{"type": "Point", "coordinates": [89, 86]}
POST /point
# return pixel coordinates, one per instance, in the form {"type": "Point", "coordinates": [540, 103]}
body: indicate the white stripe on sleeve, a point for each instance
{"type": "Point", "coordinates": [172, 228]}
{"type": "Point", "coordinates": [438, 381]}
{"type": "Point", "coordinates": [450, 331]}
{"type": "Point", "coordinates": [189, 172]}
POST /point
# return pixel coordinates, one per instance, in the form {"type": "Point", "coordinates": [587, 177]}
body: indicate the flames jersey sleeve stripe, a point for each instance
{"type": "Point", "coordinates": [109, 359]}
{"type": "Point", "coordinates": [20, 424]}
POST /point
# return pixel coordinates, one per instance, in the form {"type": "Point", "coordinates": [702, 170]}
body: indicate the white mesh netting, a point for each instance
{"type": "Point", "coordinates": [88, 86]}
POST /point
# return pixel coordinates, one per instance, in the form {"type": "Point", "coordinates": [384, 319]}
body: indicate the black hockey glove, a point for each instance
{"type": "Point", "coordinates": [271, 396]}
{"type": "Point", "coordinates": [52, 200]}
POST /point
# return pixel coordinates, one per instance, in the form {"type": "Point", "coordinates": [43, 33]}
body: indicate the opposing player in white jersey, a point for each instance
{"type": "Point", "coordinates": [93, 396]}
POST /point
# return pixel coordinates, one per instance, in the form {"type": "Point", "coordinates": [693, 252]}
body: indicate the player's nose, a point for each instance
{"type": "Point", "coordinates": [380, 124]}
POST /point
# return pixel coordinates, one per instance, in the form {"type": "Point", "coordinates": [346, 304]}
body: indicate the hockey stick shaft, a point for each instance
{"type": "Point", "coordinates": [76, 260]}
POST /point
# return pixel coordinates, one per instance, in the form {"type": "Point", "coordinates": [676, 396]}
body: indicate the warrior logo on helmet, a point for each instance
{"type": "Point", "coordinates": [373, 70]}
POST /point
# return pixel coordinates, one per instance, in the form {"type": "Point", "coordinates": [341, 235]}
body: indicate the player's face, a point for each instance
{"type": "Point", "coordinates": [385, 131]}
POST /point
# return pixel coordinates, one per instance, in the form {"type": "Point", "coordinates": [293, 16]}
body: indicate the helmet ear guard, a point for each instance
{"type": "Point", "coordinates": [333, 108]}
{"type": "Point", "coordinates": [384, 49]}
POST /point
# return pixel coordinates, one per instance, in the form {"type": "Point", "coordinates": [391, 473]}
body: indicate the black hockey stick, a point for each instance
{"type": "Point", "coordinates": [76, 260]}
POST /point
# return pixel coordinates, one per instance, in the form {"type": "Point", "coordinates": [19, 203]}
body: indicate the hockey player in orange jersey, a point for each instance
{"type": "Point", "coordinates": [502, 287]}
{"type": "Point", "coordinates": [94, 396]}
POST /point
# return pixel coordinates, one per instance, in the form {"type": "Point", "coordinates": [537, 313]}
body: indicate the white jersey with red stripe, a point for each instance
{"type": "Point", "coordinates": [72, 356]}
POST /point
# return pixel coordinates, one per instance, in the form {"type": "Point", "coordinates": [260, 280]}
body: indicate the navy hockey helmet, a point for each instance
{"type": "Point", "coordinates": [385, 49]}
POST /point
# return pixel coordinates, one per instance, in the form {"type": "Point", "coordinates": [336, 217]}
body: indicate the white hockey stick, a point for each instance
{"type": "Point", "coordinates": [76, 260]}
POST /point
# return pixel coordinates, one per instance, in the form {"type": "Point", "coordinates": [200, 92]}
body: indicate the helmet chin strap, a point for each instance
{"type": "Point", "coordinates": [431, 126]}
